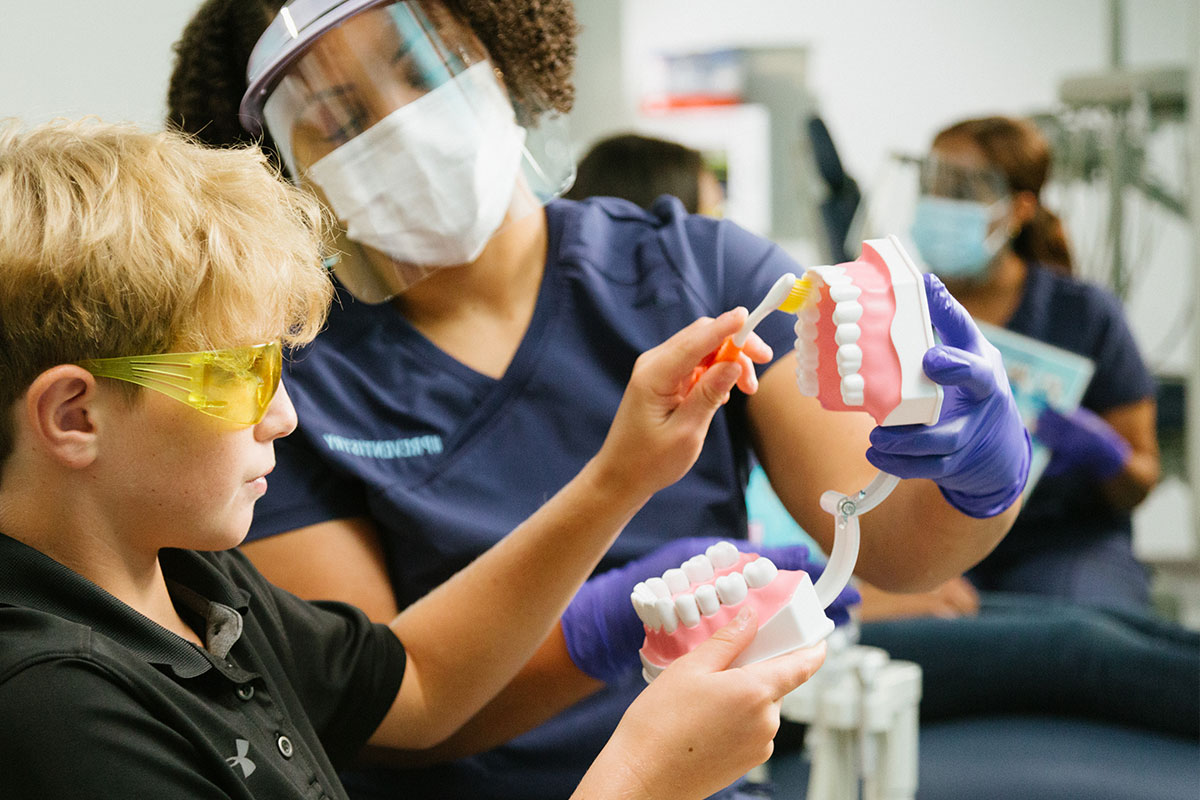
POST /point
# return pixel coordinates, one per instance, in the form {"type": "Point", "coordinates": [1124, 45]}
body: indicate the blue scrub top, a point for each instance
{"type": "Point", "coordinates": [446, 461]}
{"type": "Point", "coordinates": [1087, 320]}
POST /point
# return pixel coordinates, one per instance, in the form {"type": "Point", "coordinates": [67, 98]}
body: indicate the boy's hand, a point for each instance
{"type": "Point", "coordinates": [660, 426]}
{"type": "Point", "coordinates": [701, 725]}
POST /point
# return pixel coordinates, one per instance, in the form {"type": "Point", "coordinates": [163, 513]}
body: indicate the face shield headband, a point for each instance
{"type": "Point", "coordinates": [393, 113]}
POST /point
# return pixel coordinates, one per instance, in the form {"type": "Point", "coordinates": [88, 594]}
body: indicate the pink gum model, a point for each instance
{"type": "Point", "coordinates": [860, 346]}
{"type": "Point", "coordinates": [687, 605]}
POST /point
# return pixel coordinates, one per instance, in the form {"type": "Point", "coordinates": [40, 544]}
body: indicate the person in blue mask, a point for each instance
{"type": "Point", "coordinates": [981, 227]}
{"type": "Point", "coordinates": [485, 331]}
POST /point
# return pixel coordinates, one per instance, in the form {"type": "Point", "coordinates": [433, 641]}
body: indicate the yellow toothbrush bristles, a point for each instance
{"type": "Point", "coordinates": [798, 296]}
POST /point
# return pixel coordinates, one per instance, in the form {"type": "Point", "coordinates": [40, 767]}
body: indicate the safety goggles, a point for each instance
{"type": "Point", "coordinates": [940, 178]}
{"type": "Point", "coordinates": [235, 384]}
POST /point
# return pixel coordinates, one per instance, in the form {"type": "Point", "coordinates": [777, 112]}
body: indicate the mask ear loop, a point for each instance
{"type": "Point", "coordinates": [846, 537]}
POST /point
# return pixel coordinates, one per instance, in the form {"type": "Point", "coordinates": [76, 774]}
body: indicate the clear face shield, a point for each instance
{"type": "Point", "coordinates": [959, 225]}
{"type": "Point", "coordinates": [393, 113]}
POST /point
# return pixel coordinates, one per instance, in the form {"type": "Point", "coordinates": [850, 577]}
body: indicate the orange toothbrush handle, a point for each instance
{"type": "Point", "coordinates": [728, 351]}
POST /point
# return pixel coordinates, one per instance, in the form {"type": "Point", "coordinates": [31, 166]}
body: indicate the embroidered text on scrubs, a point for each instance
{"type": "Point", "coordinates": [385, 448]}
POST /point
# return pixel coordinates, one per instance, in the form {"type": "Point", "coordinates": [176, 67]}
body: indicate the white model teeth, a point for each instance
{"type": "Point", "coordinates": [643, 603]}
{"type": "Point", "coordinates": [849, 359]}
{"type": "Point", "coordinates": [844, 293]}
{"type": "Point", "coordinates": [666, 614]}
{"type": "Point", "coordinates": [676, 580]}
{"type": "Point", "coordinates": [722, 555]}
{"type": "Point", "coordinates": [659, 587]}
{"type": "Point", "coordinates": [809, 314]}
{"type": "Point", "coordinates": [847, 312]}
{"type": "Point", "coordinates": [698, 569]}
{"type": "Point", "coordinates": [808, 384]}
{"type": "Point", "coordinates": [852, 390]}
{"type": "Point", "coordinates": [688, 610]}
{"type": "Point", "coordinates": [760, 572]}
{"type": "Point", "coordinates": [807, 362]}
{"type": "Point", "coordinates": [707, 600]}
{"type": "Point", "coordinates": [806, 348]}
{"type": "Point", "coordinates": [666, 603]}
{"type": "Point", "coordinates": [731, 588]}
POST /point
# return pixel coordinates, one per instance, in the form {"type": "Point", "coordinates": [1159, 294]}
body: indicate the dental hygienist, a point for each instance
{"type": "Point", "coordinates": [486, 331]}
{"type": "Point", "coordinates": [981, 226]}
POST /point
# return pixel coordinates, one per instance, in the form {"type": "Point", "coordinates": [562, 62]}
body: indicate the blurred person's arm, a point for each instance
{"type": "Point", "coordinates": [1135, 422]}
{"type": "Point", "coordinates": [954, 598]}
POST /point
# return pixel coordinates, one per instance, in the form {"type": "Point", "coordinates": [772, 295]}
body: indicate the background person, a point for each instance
{"type": "Point", "coordinates": [510, 330]}
{"type": "Point", "coordinates": [642, 168]}
{"type": "Point", "coordinates": [981, 226]}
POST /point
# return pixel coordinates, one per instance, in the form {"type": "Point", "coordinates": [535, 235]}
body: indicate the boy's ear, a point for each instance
{"type": "Point", "coordinates": [60, 409]}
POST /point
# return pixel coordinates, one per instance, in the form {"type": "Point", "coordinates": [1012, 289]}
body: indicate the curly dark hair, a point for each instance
{"type": "Point", "coordinates": [532, 42]}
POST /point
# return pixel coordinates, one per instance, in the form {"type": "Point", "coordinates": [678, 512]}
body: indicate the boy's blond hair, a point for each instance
{"type": "Point", "coordinates": [117, 242]}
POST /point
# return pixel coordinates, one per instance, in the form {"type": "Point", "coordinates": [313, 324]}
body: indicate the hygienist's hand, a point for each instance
{"type": "Point", "coordinates": [603, 632]}
{"type": "Point", "coordinates": [1082, 440]}
{"type": "Point", "coordinates": [701, 725]}
{"type": "Point", "coordinates": [978, 451]}
{"type": "Point", "coordinates": [661, 423]}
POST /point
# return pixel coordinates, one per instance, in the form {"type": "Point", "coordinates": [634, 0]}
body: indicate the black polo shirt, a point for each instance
{"type": "Point", "coordinates": [97, 701]}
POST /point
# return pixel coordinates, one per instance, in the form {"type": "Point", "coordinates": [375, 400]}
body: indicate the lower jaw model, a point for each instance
{"type": "Point", "coordinates": [688, 604]}
{"type": "Point", "coordinates": [860, 342]}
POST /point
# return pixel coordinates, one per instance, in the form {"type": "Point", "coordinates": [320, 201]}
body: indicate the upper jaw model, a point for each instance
{"type": "Point", "coordinates": [859, 347]}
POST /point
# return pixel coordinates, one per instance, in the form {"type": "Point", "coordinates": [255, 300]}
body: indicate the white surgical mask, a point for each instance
{"type": "Point", "coordinates": [430, 183]}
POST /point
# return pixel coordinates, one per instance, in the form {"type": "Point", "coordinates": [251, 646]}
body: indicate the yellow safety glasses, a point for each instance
{"type": "Point", "coordinates": [235, 384]}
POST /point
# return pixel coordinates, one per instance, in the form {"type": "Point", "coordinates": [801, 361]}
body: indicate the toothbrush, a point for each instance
{"type": "Point", "coordinates": [788, 293]}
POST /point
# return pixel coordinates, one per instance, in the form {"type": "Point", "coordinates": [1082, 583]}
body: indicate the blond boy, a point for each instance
{"type": "Point", "coordinates": [146, 288]}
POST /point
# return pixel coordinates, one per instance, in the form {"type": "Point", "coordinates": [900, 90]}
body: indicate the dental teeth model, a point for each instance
{"type": "Point", "coordinates": [688, 604]}
{"type": "Point", "coordinates": [859, 347]}
{"type": "Point", "coordinates": [862, 329]}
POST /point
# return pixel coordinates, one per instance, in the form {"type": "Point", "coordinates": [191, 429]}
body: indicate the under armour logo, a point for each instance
{"type": "Point", "coordinates": [240, 759]}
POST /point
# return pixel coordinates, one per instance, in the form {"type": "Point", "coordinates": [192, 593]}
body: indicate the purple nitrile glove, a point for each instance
{"type": "Point", "coordinates": [1082, 439]}
{"type": "Point", "coordinates": [978, 451]}
{"type": "Point", "coordinates": [602, 630]}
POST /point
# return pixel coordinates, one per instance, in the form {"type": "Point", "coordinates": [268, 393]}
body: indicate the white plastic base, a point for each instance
{"type": "Point", "coordinates": [861, 709]}
{"type": "Point", "coordinates": [912, 335]}
{"type": "Point", "coordinates": [801, 623]}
